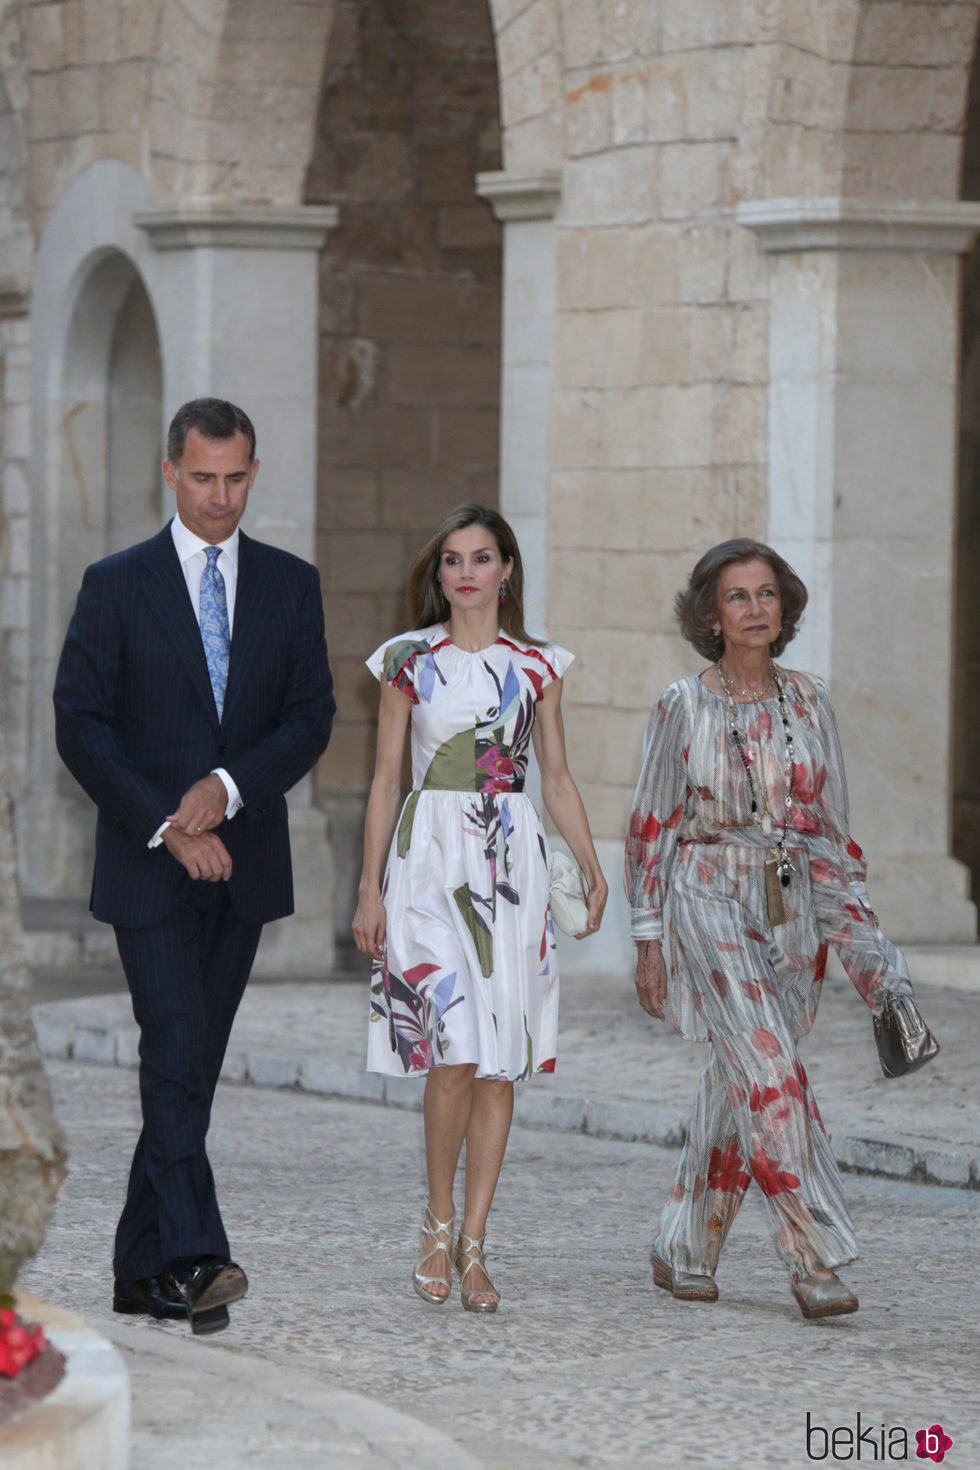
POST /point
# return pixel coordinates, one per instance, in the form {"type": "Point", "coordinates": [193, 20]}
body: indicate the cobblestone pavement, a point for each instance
{"type": "Point", "coordinates": [332, 1360]}
{"type": "Point", "coordinates": [620, 1074]}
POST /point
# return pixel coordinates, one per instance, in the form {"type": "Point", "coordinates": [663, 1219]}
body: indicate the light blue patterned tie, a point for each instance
{"type": "Point", "coordinates": [214, 626]}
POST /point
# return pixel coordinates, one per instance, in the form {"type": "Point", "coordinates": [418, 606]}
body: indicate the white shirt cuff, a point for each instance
{"type": "Point", "coordinates": [235, 802]}
{"type": "Point", "coordinates": [157, 837]}
{"type": "Point", "coordinates": [232, 792]}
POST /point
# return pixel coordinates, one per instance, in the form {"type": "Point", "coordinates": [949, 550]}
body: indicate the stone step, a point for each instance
{"type": "Point", "coordinates": [956, 966]}
{"type": "Point", "coordinates": [61, 934]}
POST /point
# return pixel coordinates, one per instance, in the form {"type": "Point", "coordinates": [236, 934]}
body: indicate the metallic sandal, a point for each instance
{"type": "Point", "coordinates": [823, 1298]}
{"type": "Point", "coordinates": [472, 1255]}
{"type": "Point", "coordinates": [684, 1285]}
{"type": "Point", "coordinates": [440, 1234]}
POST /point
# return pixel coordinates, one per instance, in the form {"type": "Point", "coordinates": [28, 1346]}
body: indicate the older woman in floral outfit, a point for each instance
{"type": "Point", "coordinates": [740, 819]}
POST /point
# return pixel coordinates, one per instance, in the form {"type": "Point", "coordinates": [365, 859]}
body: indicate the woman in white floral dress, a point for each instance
{"type": "Point", "coordinates": [464, 983]}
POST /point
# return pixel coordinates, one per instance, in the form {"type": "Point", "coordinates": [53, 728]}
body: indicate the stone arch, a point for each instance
{"type": "Point", "coordinates": [866, 99]}
{"type": "Point", "coordinates": [906, 99]}
{"type": "Point", "coordinates": [236, 90]}
{"type": "Point", "coordinates": [102, 482]}
{"type": "Point", "coordinates": [410, 308]}
{"type": "Point", "coordinates": [237, 83]}
{"type": "Point", "coordinates": [97, 413]}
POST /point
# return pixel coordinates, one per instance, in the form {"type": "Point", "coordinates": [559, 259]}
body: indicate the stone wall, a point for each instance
{"type": "Point", "coordinates": [410, 334]}
{"type": "Point", "coordinates": [659, 122]}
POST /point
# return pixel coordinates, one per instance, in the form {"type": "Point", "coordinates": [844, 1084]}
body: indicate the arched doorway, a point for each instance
{"type": "Point", "coordinates": [409, 335]}
{"type": "Point", "coordinates": [101, 469]}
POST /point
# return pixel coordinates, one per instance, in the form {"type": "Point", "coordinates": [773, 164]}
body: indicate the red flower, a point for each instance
{"type": "Point", "coordinates": [417, 974]}
{"type": "Point", "coordinates": [768, 1175]}
{"type": "Point", "coordinates": [725, 1170]}
{"type": "Point", "coordinates": [804, 821]}
{"type": "Point", "coordinates": [500, 769]}
{"type": "Point", "coordinates": [765, 1042]}
{"type": "Point", "coordinates": [537, 680]}
{"type": "Point", "coordinates": [753, 991]}
{"type": "Point", "coordinates": [548, 1066]}
{"type": "Point", "coordinates": [676, 817]}
{"type": "Point", "coordinates": [804, 790]}
{"type": "Point", "coordinates": [641, 830]}
{"type": "Point", "coordinates": [421, 1057]}
{"type": "Point", "coordinates": [720, 983]}
{"type": "Point", "coordinates": [759, 1100]}
{"type": "Point", "coordinates": [853, 850]}
{"type": "Point", "coordinates": [19, 1345]}
{"type": "Point", "coordinates": [823, 871]}
{"type": "Point", "coordinates": [791, 1088]}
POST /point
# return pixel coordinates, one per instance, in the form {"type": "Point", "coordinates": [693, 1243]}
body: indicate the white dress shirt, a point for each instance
{"type": "Point", "coordinates": [191, 551]}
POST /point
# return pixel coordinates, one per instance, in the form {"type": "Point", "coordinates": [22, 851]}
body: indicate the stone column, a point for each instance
{"type": "Point", "coordinates": [237, 298]}
{"type": "Point", "coordinates": [863, 362]}
{"type": "Point", "coordinates": [526, 204]}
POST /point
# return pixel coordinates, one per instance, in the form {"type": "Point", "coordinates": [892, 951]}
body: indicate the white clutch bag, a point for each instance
{"type": "Point", "coordinates": [568, 906]}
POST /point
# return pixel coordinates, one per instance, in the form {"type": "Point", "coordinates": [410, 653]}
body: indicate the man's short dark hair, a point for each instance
{"type": "Point", "coordinates": [215, 418]}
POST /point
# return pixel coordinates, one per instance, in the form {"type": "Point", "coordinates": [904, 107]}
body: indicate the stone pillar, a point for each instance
{"type": "Point", "coordinates": [863, 362]}
{"type": "Point", "coordinates": [15, 517]}
{"type": "Point", "coordinates": [526, 204]}
{"type": "Point", "coordinates": [237, 288]}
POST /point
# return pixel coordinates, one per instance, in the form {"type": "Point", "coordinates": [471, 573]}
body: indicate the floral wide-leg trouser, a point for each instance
{"type": "Point", "coordinates": [755, 1117]}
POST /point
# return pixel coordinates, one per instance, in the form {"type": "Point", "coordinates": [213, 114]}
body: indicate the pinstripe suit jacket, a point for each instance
{"type": "Point", "coordinates": [136, 721]}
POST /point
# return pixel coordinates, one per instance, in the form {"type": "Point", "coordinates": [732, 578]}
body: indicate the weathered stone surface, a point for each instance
{"type": "Point", "coordinates": [32, 1144]}
{"type": "Point", "coordinates": [562, 1372]}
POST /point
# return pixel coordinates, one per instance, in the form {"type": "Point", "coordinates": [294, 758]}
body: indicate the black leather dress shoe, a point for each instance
{"type": "Point", "coordinates": [212, 1283]}
{"type": "Point", "coordinates": [150, 1296]}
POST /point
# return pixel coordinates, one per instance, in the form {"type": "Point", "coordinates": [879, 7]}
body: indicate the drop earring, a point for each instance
{"type": "Point", "coordinates": [503, 592]}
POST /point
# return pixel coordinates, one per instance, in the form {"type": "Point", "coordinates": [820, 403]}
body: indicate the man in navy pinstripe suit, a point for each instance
{"type": "Point", "coordinates": [193, 691]}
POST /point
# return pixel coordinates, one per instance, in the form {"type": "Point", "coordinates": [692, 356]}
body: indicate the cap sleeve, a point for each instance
{"type": "Point", "coordinates": [550, 661]}
{"type": "Point", "coordinates": [395, 661]}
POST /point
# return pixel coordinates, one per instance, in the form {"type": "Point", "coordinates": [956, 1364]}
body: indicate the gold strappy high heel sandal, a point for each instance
{"type": "Point", "coordinates": [467, 1257]}
{"type": "Point", "coordinates": [437, 1235]}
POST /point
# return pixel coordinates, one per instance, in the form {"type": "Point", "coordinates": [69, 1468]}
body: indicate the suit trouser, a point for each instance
{"type": "Point", "coordinates": [754, 1117]}
{"type": "Point", "coordinates": [186, 976]}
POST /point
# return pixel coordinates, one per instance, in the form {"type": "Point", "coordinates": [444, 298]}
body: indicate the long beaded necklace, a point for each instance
{"type": "Point", "coordinates": [778, 865]}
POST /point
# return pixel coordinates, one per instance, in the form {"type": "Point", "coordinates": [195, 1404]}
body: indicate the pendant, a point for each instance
{"type": "Point", "coordinates": [766, 824]}
{"type": "Point", "coordinates": [774, 893]}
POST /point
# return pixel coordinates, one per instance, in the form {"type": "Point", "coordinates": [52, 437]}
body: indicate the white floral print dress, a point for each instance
{"type": "Point", "coordinates": [469, 973]}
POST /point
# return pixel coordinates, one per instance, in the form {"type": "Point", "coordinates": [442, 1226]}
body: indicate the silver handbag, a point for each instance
{"type": "Point", "coordinates": [903, 1039]}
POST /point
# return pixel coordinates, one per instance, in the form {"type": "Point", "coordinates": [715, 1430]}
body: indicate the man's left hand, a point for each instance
{"type": "Point", "coordinates": [202, 808]}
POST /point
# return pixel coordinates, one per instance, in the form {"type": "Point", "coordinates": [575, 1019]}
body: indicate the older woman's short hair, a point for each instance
{"type": "Point", "coordinates": [697, 606]}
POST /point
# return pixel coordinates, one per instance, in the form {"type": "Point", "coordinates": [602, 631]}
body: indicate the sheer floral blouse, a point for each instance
{"type": "Point", "coordinates": [694, 844]}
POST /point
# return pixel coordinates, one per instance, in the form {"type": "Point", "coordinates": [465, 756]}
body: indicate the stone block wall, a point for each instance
{"type": "Point", "coordinates": [659, 363]}
{"type": "Point", "coordinates": [660, 119]}
{"type": "Point", "coordinates": [410, 334]}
